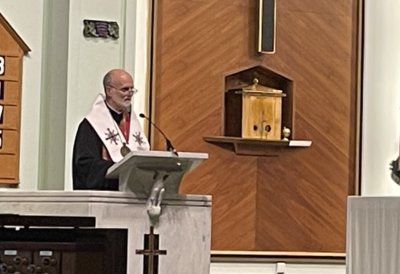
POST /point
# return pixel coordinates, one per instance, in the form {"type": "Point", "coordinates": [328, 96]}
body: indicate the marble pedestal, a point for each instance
{"type": "Point", "coordinates": [373, 235]}
{"type": "Point", "coordinates": [184, 227]}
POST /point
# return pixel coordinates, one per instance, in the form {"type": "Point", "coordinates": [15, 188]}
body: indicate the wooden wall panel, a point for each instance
{"type": "Point", "coordinates": [12, 49]}
{"type": "Point", "coordinates": [11, 92]}
{"type": "Point", "coordinates": [8, 46]}
{"type": "Point", "coordinates": [294, 202]}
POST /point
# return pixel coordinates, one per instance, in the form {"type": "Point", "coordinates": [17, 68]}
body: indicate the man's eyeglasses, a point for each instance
{"type": "Point", "coordinates": [126, 89]}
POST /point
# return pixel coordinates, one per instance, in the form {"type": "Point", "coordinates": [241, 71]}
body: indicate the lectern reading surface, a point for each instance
{"type": "Point", "coordinates": [139, 170]}
{"type": "Point", "coordinates": [153, 173]}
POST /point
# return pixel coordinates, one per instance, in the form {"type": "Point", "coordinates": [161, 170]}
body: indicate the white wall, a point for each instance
{"type": "Point", "coordinates": [54, 94]}
{"type": "Point", "coordinates": [90, 58]}
{"type": "Point", "coordinates": [381, 96]}
{"type": "Point", "coordinates": [26, 17]}
{"type": "Point", "coordinates": [63, 74]}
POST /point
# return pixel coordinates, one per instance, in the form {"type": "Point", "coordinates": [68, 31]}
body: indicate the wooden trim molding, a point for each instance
{"type": "Point", "coordinates": [256, 147]}
{"type": "Point", "coordinates": [274, 257]}
{"type": "Point", "coordinates": [359, 45]}
{"type": "Point", "coordinates": [14, 34]}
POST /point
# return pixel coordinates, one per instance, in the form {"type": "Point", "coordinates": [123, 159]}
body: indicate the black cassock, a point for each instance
{"type": "Point", "coordinates": [88, 166]}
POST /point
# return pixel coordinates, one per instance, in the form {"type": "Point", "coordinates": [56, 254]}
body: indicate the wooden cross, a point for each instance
{"type": "Point", "coordinates": [151, 252]}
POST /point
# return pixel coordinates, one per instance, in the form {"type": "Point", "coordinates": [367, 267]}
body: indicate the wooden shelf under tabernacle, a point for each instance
{"type": "Point", "coordinates": [255, 147]}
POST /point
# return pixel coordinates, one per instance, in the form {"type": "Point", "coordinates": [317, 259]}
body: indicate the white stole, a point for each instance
{"type": "Point", "coordinates": [107, 129]}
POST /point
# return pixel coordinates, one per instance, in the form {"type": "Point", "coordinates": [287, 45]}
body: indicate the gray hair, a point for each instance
{"type": "Point", "coordinates": [107, 80]}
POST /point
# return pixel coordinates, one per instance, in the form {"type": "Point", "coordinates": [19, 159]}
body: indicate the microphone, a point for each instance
{"type": "Point", "coordinates": [170, 147]}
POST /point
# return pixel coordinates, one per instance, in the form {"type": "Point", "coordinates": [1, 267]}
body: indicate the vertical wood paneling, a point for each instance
{"type": "Point", "coordinates": [294, 202]}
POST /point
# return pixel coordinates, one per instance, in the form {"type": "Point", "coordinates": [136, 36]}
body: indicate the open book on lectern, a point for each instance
{"type": "Point", "coordinates": [139, 171]}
